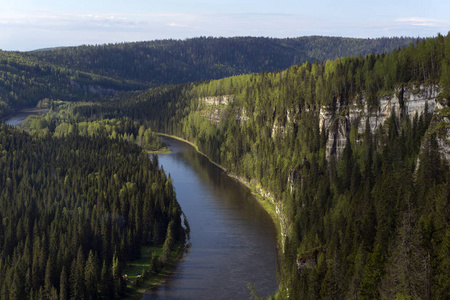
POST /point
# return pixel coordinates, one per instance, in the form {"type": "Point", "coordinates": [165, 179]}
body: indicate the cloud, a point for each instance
{"type": "Point", "coordinates": [28, 31]}
{"type": "Point", "coordinates": [425, 22]}
{"type": "Point", "coordinates": [72, 29]}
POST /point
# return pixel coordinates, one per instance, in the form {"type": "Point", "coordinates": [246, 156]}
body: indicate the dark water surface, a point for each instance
{"type": "Point", "coordinates": [233, 238]}
{"type": "Point", "coordinates": [17, 119]}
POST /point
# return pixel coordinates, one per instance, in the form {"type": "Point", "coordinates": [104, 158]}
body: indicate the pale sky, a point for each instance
{"type": "Point", "coordinates": [33, 24]}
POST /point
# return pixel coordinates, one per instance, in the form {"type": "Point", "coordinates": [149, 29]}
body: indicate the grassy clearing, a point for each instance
{"type": "Point", "coordinates": [163, 150]}
{"type": "Point", "coordinates": [143, 266]}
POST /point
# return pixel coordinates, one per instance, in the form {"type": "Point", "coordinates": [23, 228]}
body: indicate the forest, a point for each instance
{"type": "Point", "coordinates": [180, 61]}
{"type": "Point", "coordinates": [74, 210]}
{"type": "Point", "coordinates": [90, 72]}
{"type": "Point", "coordinates": [373, 224]}
{"type": "Point", "coordinates": [24, 81]}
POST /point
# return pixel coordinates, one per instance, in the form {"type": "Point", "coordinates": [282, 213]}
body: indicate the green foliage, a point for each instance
{"type": "Point", "coordinates": [74, 209]}
{"type": "Point", "coordinates": [89, 72]}
{"type": "Point", "coordinates": [24, 81]}
{"type": "Point", "coordinates": [350, 223]}
{"type": "Point", "coordinates": [347, 220]}
{"type": "Point", "coordinates": [61, 122]}
{"type": "Point", "coordinates": [174, 61]}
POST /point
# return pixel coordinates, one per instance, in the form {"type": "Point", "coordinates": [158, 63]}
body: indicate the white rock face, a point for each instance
{"type": "Point", "coordinates": [404, 101]}
{"type": "Point", "coordinates": [217, 100]}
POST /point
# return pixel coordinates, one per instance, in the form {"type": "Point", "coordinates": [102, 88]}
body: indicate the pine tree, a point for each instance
{"type": "Point", "coordinates": [91, 274]}
{"type": "Point", "coordinates": [63, 285]}
{"type": "Point", "coordinates": [77, 281]}
{"type": "Point", "coordinates": [407, 270]}
{"type": "Point", "coordinates": [372, 274]}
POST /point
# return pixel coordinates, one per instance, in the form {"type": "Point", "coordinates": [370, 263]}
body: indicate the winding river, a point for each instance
{"type": "Point", "coordinates": [233, 238]}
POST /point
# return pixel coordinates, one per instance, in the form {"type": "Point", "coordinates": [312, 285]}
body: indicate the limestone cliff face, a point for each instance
{"type": "Point", "coordinates": [217, 100]}
{"type": "Point", "coordinates": [405, 101]}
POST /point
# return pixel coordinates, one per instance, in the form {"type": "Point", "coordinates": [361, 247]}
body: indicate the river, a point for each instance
{"type": "Point", "coordinates": [18, 119]}
{"type": "Point", "coordinates": [233, 238]}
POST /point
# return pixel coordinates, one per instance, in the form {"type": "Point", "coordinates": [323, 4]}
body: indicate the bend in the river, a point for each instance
{"type": "Point", "coordinates": [233, 238]}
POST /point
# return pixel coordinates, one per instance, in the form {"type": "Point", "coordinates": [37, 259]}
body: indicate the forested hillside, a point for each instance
{"type": "Point", "coordinates": [74, 210]}
{"type": "Point", "coordinates": [88, 72]}
{"type": "Point", "coordinates": [180, 61]}
{"type": "Point", "coordinates": [353, 151]}
{"type": "Point", "coordinates": [372, 222]}
{"type": "Point", "coordinates": [24, 81]}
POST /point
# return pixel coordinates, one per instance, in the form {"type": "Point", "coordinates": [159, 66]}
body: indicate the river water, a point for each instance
{"type": "Point", "coordinates": [233, 238]}
{"type": "Point", "coordinates": [17, 119]}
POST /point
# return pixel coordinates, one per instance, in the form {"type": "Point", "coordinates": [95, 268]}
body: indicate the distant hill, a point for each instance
{"type": "Point", "coordinates": [24, 80]}
{"type": "Point", "coordinates": [354, 154]}
{"type": "Point", "coordinates": [86, 72]}
{"type": "Point", "coordinates": [179, 61]}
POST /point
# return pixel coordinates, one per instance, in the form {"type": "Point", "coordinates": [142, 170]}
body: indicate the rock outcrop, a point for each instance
{"type": "Point", "coordinates": [217, 100]}
{"type": "Point", "coordinates": [405, 101]}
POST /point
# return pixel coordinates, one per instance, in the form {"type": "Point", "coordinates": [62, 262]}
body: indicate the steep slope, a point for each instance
{"type": "Point", "coordinates": [24, 81]}
{"type": "Point", "coordinates": [354, 153]}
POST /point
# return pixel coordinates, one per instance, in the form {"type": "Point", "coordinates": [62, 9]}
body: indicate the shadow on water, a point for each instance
{"type": "Point", "coordinates": [233, 238]}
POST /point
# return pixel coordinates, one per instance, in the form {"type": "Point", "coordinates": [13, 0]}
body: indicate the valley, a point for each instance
{"type": "Point", "coordinates": [352, 153]}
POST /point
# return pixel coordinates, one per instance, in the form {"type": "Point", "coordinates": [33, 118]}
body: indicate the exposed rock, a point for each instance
{"type": "Point", "coordinates": [404, 101]}
{"type": "Point", "coordinates": [242, 116]}
{"type": "Point", "coordinates": [278, 129]}
{"type": "Point", "coordinates": [217, 100]}
{"type": "Point", "coordinates": [214, 115]}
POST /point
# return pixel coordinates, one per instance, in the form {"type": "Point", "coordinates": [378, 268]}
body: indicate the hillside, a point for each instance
{"type": "Point", "coordinates": [74, 210]}
{"type": "Point", "coordinates": [89, 72]}
{"type": "Point", "coordinates": [180, 61]}
{"type": "Point", "coordinates": [24, 81]}
{"type": "Point", "coordinates": [354, 153]}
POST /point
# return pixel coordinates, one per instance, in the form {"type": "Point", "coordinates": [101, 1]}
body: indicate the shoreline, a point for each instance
{"type": "Point", "coordinates": [34, 110]}
{"type": "Point", "coordinates": [262, 197]}
{"type": "Point", "coordinates": [154, 280]}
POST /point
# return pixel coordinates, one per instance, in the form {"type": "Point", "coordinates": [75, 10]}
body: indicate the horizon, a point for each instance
{"type": "Point", "coordinates": [215, 37]}
{"type": "Point", "coordinates": [26, 25]}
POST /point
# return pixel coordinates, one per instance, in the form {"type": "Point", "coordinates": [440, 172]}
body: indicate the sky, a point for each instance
{"type": "Point", "coordinates": [36, 24]}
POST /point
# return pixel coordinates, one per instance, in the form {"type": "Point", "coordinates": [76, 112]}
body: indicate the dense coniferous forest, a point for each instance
{"type": "Point", "coordinates": [180, 61]}
{"type": "Point", "coordinates": [74, 210]}
{"type": "Point", "coordinates": [24, 81]}
{"type": "Point", "coordinates": [89, 72]}
{"type": "Point", "coordinates": [372, 224]}
{"type": "Point", "coordinates": [79, 198]}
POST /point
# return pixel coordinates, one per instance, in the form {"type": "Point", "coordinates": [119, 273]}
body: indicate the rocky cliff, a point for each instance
{"type": "Point", "coordinates": [404, 101]}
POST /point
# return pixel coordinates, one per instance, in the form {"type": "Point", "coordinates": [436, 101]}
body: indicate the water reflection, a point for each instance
{"type": "Point", "coordinates": [233, 238]}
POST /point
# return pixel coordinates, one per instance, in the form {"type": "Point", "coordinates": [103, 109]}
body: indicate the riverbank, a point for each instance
{"type": "Point", "coordinates": [34, 110]}
{"type": "Point", "coordinates": [195, 147]}
{"type": "Point", "coordinates": [264, 198]}
{"type": "Point", "coordinates": [148, 271]}
{"type": "Point", "coordinates": [163, 150]}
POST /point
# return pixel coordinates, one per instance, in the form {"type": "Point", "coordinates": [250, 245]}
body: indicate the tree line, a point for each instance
{"type": "Point", "coordinates": [353, 223]}
{"type": "Point", "coordinates": [89, 72]}
{"type": "Point", "coordinates": [74, 210]}
{"type": "Point", "coordinates": [24, 81]}
{"type": "Point", "coordinates": [164, 62]}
